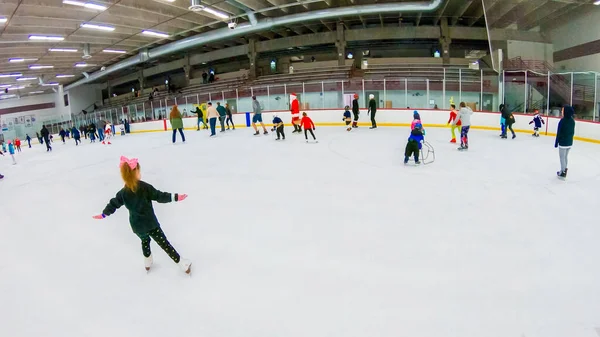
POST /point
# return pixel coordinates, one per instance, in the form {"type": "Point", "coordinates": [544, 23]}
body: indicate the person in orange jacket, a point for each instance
{"type": "Point", "coordinates": [454, 126]}
{"type": "Point", "coordinates": [18, 144]}
{"type": "Point", "coordinates": [295, 109]}
{"type": "Point", "coordinates": [308, 126]}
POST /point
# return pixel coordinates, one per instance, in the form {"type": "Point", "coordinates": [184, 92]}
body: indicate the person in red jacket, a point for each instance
{"type": "Point", "coordinates": [452, 118]}
{"type": "Point", "coordinates": [18, 144]}
{"type": "Point", "coordinates": [308, 125]}
{"type": "Point", "coordinates": [295, 108]}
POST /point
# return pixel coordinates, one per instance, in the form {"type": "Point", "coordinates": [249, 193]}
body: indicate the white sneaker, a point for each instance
{"type": "Point", "coordinates": [148, 262]}
{"type": "Point", "coordinates": [185, 265]}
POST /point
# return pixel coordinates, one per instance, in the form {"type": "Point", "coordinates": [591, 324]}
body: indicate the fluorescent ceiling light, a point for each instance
{"type": "Point", "coordinates": [26, 78]}
{"type": "Point", "coordinates": [64, 76]}
{"type": "Point", "coordinates": [153, 33]}
{"type": "Point", "coordinates": [37, 92]}
{"type": "Point", "coordinates": [98, 27]}
{"type": "Point", "coordinates": [20, 59]}
{"type": "Point", "coordinates": [597, 2]}
{"type": "Point", "coordinates": [17, 88]}
{"type": "Point", "coordinates": [46, 38]}
{"type": "Point", "coordinates": [114, 51]}
{"type": "Point", "coordinates": [5, 85]}
{"type": "Point", "coordinates": [3, 19]}
{"type": "Point", "coordinates": [11, 75]}
{"type": "Point", "coordinates": [66, 50]}
{"type": "Point", "coordinates": [49, 84]}
{"type": "Point", "coordinates": [83, 65]}
{"type": "Point", "coordinates": [90, 5]}
{"type": "Point", "coordinates": [216, 13]}
{"type": "Point", "coordinates": [39, 66]}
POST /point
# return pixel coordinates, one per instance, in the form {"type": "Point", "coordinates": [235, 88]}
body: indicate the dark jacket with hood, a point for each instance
{"type": "Point", "coordinates": [355, 109]}
{"type": "Point", "coordinates": [509, 119]}
{"type": "Point", "coordinates": [566, 128]}
{"type": "Point", "coordinates": [44, 132]}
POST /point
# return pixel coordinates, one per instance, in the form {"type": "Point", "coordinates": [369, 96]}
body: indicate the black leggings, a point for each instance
{"type": "Point", "coordinates": [311, 132]}
{"type": "Point", "coordinates": [280, 132]}
{"type": "Point", "coordinates": [229, 119]}
{"type": "Point", "coordinates": [412, 147]}
{"type": "Point", "coordinates": [159, 236]}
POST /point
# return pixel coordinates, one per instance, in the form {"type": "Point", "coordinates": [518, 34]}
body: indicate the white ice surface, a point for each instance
{"type": "Point", "coordinates": [287, 239]}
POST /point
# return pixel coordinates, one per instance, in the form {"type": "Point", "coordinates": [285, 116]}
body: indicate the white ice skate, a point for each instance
{"type": "Point", "coordinates": [185, 265]}
{"type": "Point", "coordinates": [148, 262]}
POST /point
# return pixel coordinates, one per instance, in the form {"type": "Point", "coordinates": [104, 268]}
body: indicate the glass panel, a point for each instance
{"type": "Point", "coordinates": [297, 89]}
{"type": "Point", "coordinates": [333, 94]}
{"type": "Point", "coordinates": [471, 88]}
{"type": "Point", "coordinates": [417, 94]}
{"type": "Point", "coordinates": [395, 93]}
{"type": "Point", "coordinates": [436, 95]}
{"type": "Point", "coordinates": [313, 95]}
{"type": "Point", "coordinates": [583, 95]}
{"type": "Point", "coordinates": [277, 98]}
{"type": "Point", "coordinates": [560, 93]}
{"type": "Point", "coordinates": [514, 91]}
{"type": "Point", "coordinates": [375, 88]}
{"type": "Point", "coordinates": [537, 92]}
{"type": "Point", "coordinates": [490, 91]}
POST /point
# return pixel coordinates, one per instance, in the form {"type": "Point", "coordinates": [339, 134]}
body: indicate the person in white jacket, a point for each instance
{"type": "Point", "coordinates": [464, 116]}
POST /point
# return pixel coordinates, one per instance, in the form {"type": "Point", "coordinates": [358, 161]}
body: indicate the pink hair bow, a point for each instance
{"type": "Point", "coordinates": [133, 162]}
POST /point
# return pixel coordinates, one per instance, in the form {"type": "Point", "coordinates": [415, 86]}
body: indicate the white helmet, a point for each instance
{"type": "Point", "coordinates": [274, 115]}
{"type": "Point", "coordinates": [371, 96]}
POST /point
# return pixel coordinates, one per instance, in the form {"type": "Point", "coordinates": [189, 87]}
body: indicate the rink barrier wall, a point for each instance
{"type": "Point", "coordinates": [586, 131]}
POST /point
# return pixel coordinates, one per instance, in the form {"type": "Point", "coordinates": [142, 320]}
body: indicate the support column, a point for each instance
{"type": "Point", "coordinates": [187, 69]}
{"type": "Point", "coordinates": [252, 58]}
{"type": "Point", "coordinates": [109, 89]}
{"type": "Point", "coordinates": [340, 43]}
{"type": "Point", "coordinates": [445, 40]}
{"type": "Point", "coordinates": [141, 80]}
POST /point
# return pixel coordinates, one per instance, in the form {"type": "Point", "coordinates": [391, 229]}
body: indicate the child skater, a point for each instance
{"type": "Point", "coordinates": [416, 119]}
{"type": "Point", "coordinates": [464, 117]}
{"type": "Point", "coordinates": [308, 126]}
{"type": "Point", "coordinates": [28, 141]}
{"type": "Point", "coordinates": [278, 127]}
{"type": "Point", "coordinates": [11, 150]}
{"type": "Point", "coordinates": [538, 120]}
{"type": "Point", "coordinates": [18, 144]}
{"type": "Point", "coordinates": [137, 196]}
{"type": "Point", "coordinates": [453, 116]}
{"type": "Point", "coordinates": [415, 142]}
{"type": "Point", "coordinates": [347, 118]}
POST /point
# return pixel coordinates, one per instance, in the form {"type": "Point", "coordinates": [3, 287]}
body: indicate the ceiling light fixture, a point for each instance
{"type": "Point", "coordinates": [66, 50]}
{"type": "Point", "coordinates": [597, 2]}
{"type": "Point", "coordinates": [197, 6]}
{"type": "Point", "coordinates": [90, 5]}
{"type": "Point", "coordinates": [64, 76]}
{"type": "Point", "coordinates": [5, 85]}
{"type": "Point", "coordinates": [50, 84]}
{"type": "Point", "coordinates": [37, 92]}
{"type": "Point", "coordinates": [27, 78]}
{"type": "Point", "coordinates": [98, 27]}
{"type": "Point", "coordinates": [45, 38]}
{"type": "Point", "coordinates": [153, 33]}
{"type": "Point", "coordinates": [39, 66]}
{"type": "Point", "coordinates": [20, 60]}
{"type": "Point", "coordinates": [114, 51]}
{"type": "Point", "coordinates": [3, 19]}
{"type": "Point", "coordinates": [11, 75]}
{"type": "Point", "coordinates": [83, 65]}
{"type": "Point", "coordinates": [17, 88]}
{"type": "Point", "coordinates": [216, 13]}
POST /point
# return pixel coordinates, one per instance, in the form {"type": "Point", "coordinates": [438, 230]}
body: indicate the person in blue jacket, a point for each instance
{"type": "Point", "coordinates": [28, 141]}
{"type": "Point", "coordinates": [11, 151]}
{"type": "Point", "coordinates": [76, 135]}
{"type": "Point", "coordinates": [415, 143]}
{"type": "Point", "coordinates": [537, 122]}
{"type": "Point", "coordinates": [564, 138]}
{"type": "Point", "coordinates": [278, 127]}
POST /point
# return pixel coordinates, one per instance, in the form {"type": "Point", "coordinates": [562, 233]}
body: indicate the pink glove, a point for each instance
{"type": "Point", "coordinates": [99, 217]}
{"type": "Point", "coordinates": [181, 197]}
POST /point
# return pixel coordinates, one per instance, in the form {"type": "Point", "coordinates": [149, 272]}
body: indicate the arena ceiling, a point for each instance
{"type": "Point", "coordinates": [111, 30]}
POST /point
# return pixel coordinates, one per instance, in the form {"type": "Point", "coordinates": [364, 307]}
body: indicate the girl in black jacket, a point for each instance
{"type": "Point", "coordinates": [137, 196]}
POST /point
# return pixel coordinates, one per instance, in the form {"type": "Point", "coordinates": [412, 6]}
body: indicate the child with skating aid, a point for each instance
{"type": "Point", "coordinates": [453, 116]}
{"type": "Point", "coordinates": [137, 196]}
{"type": "Point", "coordinates": [11, 151]}
{"type": "Point", "coordinates": [415, 143]}
{"type": "Point", "coordinates": [308, 126]}
{"type": "Point", "coordinates": [347, 118]}
{"type": "Point", "coordinates": [537, 123]}
{"type": "Point", "coordinates": [278, 127]}
{"type": "Point", "coordinates": [416, 119]}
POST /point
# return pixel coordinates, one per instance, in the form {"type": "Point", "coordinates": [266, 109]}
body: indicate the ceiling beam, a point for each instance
{"type": "Point", "coordinates": [461, 11]}
{"type": "Point", "coordinates": [518, 12]}
{"type": "Point", "coordinates": [478, 14]}
{"type": "Point", "coordinates": [418, 21]}
{"type": "Point", "coordinates": [329, 26]}
{"type": "Point", "coordinates": [532, 20]}
{"type": "Point", "coordinates": [501, 8]}
{"type": "Point", "coordinates": [549, 22]}
{"type": "Point", "coordinates": [381, 20]}
{"type": "Point", "coordinates": [364, 23]}
{"type": "Point", "coordinates": [440, 12]}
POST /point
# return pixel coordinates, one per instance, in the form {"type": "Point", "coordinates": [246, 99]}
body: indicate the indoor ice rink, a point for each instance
{"type": "Point", "coordinates": [289, 238]}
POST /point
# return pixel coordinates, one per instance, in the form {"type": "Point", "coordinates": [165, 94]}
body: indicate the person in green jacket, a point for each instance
{"type": "Point", "coordinates": [222, 115]}
{"type": "Point", "coordinates": [200, 119]}
{"type": "Point", "coordinates": [176, 123]}
{"type": "Point", "coordinates": [372, 110]}
{"type": "Point", "coordinates": [137, 196]}
{"type": "Point", "coordinates": [564, 139]}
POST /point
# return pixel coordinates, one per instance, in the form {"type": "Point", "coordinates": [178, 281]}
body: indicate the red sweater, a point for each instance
{"type": "Point", "coordinates": [307, 123]}
{"type": "Point", "coordinates": [453, 117]}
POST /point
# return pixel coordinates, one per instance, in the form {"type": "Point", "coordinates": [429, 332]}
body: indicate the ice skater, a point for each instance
{"type": "Point", "coordinates": [45, 135]}
{"type": "Point", "coordinates": [18, 144]}
{"type": "Point", "coordinates": [451, 120]}
{"type": "Point", "coordinates": [2, 154]}
{"type": "Point", "coordinates": [257, 118]}
{"type": "Point", "coordinates": [176, 124]}
{"type": "Point", "coordinates": [11, 151]}
{"type": "Point", "coordinates": [464, 117]}
{"type": "Point", "coordinates": [347, 118]}
{"type": "Point", "coordinates": [76, 135]}
{"type": "Point", "coordinates": [28, 140]}
{"type": "Point", "coordinates": [200, 119]}
{"type": "Point", "coordinates": [107, 133]}
{"type": "Point", "coordinates": [295, 110]}
{"type": "Point", "coordinates": [278, 127]}
{"type": "Point", "coordinates": [564, 139]}
{"type": "Point", "coordinates": [212, 114]}
{"type": "Point", "coordinates": [415, 143]}
{"type": "Point", "coordinates": [355, 111]}
{"type": "Point", "coordinates": [137, 196]}
{"type": "Point", "coordinates": [416, 119]}
{"type": "Point", "coordinates": [308, 126]}
{"type": "Point", "coordinates": [537, 122]}
{"type": "Point", "coordinates": [372, 110]}
{"type": "Point", "coordinates": [229, 116]}
{"type": "Point", "coordinates": [222, 115]}
{"type": "Point", "coordinates": [62, 133]}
